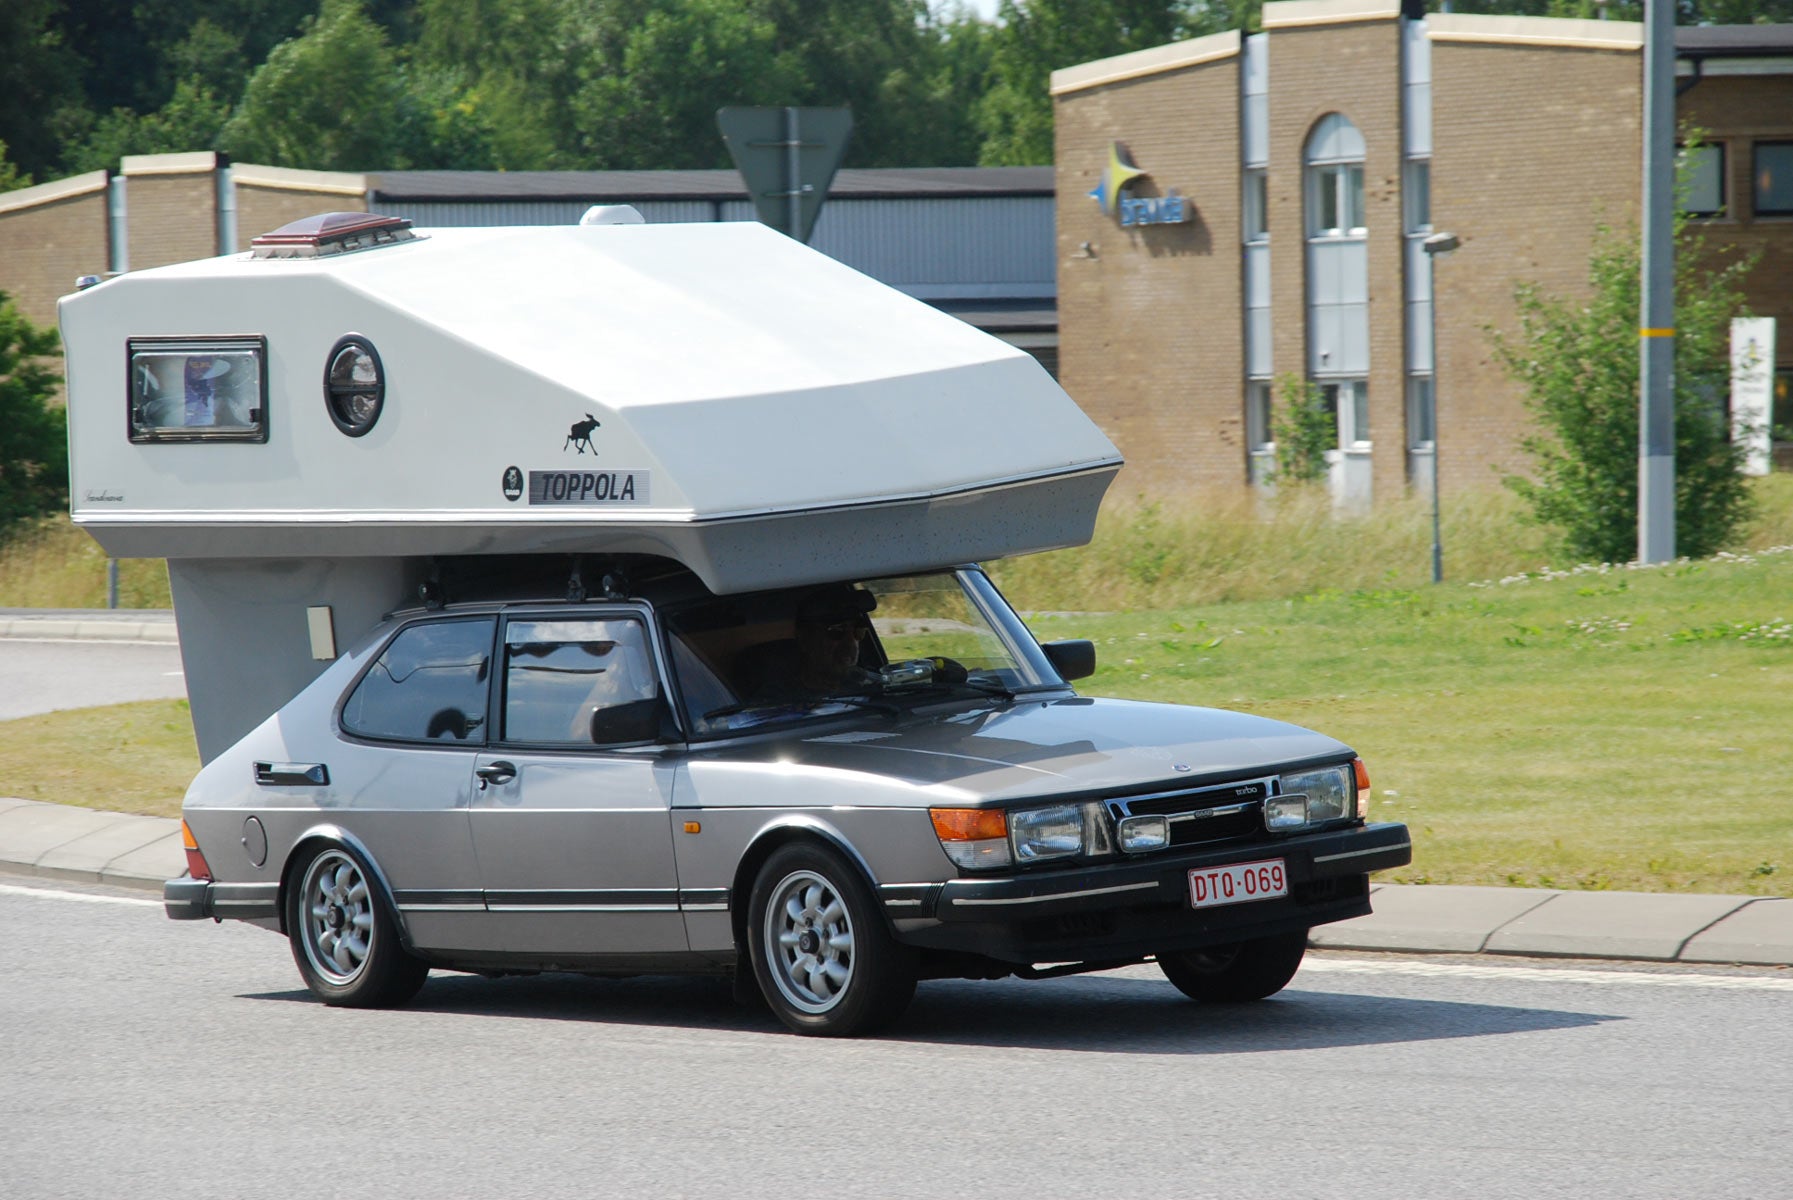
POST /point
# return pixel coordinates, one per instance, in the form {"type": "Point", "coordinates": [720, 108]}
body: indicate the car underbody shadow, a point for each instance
{"type": "Point", "coordinates": [1092, 1013]}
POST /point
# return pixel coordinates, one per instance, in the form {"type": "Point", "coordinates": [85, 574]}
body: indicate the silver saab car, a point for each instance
{"type": "Point", "coordinates": [828, 792]}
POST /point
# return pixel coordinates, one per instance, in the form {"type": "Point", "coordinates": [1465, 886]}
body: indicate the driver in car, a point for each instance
{"type": "Point", "coordinates": [830, 625]}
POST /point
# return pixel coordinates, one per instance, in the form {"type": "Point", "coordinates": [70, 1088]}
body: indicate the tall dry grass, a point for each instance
{"type": "Point", "coordinates": [1145, 555]}
{"type": "Point", "coordinates": [1168, 554]}
{"type": "Point", "coordinates": [53, 564]}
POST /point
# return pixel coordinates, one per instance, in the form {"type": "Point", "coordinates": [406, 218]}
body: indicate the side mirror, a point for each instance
{"type": "Point", "coordinates": [1072, 658]}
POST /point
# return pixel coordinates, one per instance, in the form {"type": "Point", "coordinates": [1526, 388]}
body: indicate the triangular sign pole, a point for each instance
{"type": "Point", "coordinates": [787, 158]}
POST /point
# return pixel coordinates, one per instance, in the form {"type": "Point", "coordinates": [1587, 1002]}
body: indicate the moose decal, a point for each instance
{"type": "Point", "coordinates": [579, 436]}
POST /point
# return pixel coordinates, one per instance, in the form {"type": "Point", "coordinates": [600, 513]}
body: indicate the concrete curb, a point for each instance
{"type": "Point", "coordinates": [60, 842]}
{"type": "Point", "coordinates": [97, 625]}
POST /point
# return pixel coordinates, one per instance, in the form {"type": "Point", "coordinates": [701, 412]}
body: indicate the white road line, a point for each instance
{"type": "Point", "coordinates": [1745, 983]}
{"type": "Point", "coordinates": [8, 889]}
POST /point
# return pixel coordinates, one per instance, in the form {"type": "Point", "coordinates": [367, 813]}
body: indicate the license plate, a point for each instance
{"type": "Point", "coordinates": [1236, 883]}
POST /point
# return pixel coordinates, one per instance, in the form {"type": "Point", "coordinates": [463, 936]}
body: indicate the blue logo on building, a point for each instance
{"type": "Point", "coordinates": [1111, 194]}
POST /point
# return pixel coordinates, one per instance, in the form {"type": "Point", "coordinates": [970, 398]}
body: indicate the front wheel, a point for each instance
{"type": "Point", "coordinates": [1233, 974]}
{"type": "Point", "coordinates": [344, 940]}
{"type": "Point", "coordinates": [821, 952]}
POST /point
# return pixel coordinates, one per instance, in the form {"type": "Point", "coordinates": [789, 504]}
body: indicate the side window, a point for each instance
{"type": "Point", "coordinates": [429, 685]}
{"type": "Point", "coordinates": [582, 682]}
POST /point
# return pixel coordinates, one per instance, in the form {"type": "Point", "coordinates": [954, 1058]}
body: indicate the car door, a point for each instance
{"type": "Point", "coordinates": [401, 782]}
{"type": "Point", "coordinates": [572, 802]}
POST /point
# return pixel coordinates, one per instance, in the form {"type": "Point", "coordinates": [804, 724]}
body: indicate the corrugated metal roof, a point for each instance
{"type": "Point", "coordinates": [1733, 41]}
{"type": "Point", "coordinates": [624, 186]}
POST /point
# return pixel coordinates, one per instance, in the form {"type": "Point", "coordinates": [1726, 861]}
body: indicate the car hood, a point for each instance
{"type": "Point", "coordinates": [1056, 747]}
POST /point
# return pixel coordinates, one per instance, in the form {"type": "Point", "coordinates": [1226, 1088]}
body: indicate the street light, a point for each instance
{"type": "Point", "coordinates": [1438, 246]}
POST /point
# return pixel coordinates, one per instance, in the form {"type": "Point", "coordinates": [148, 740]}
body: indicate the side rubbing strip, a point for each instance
{"type": "Point", "coordinates": [429, 900]}
{"type": "Point", "coordinates": [704, 899]}
{"type": "Point", "coordinates": [1390, 849]}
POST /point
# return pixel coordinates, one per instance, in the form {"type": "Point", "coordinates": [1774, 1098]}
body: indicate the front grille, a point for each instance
{"type": "Point", "coordinates": [1199, 815]}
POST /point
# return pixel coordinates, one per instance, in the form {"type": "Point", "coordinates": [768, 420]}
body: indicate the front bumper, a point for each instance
{"type": "Point", "coordinates": [1128, 909]}
{"type": "Point", "coordinates": [189, 899]}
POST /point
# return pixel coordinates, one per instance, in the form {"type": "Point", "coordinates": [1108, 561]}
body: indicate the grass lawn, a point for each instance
{"type": "Point", "coordinates": [123, 757]}
{"type": "Point", "coordinates": [1622, 729]}
{"type": "Point", "coordinates": [1616, 728]}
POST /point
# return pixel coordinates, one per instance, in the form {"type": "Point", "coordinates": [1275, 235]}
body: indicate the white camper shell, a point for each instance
{"type": "Point", "coordinates": [300, 430]}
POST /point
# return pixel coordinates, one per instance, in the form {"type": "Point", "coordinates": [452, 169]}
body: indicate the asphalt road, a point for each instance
{"type": "Point", "coordinates": [38, 677]}
{"type": "Point", "coordinates": [140, 1057]}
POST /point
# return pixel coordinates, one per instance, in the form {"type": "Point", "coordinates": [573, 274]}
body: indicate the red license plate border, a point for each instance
{"type": "Point", "coordinates": [1272, 884]}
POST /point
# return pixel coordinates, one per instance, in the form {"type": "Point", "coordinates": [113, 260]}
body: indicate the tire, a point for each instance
{"type": "Point", "coordinates": [343, 937]}
{"type": "Point", "coordinates": [1237, 973]}
{"type": "Point", "coordinates": [822, 954]}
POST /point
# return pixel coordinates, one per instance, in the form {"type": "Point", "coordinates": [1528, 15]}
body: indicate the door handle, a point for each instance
{"type": "Point", "coordinates": [495, 772]}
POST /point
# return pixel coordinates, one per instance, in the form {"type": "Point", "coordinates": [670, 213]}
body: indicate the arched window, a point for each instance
{"type": "Point", "coordinates": [1338, 324]}
{"type": "Point", "coordinates": [1335, 178]}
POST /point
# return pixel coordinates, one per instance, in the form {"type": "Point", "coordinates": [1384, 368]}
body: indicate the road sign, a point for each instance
{"type": "Point", "coordinates": [787, 157]}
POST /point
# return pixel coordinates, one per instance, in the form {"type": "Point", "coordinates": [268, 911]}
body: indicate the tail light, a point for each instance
{"type": "Point", "coordinates": [196, 864]}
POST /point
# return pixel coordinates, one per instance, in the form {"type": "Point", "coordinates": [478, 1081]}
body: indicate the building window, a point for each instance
{"type": "Point", "coordinates": [1336, 201]}
{"type": "Point", "coordinates": [1335, 177]}
{"type": "Point", "coordinates": [1257, 206]}
{"type": "Point", "coordinates": [1422, 422]}
{"type": "Point", "coordinates": [1259, 435]}
{"type": "Point", "coordinates": [1418, 199]}
{"type": "Point", "coordinates": [1348, 400]}
{"type": "Point", "coordinates": [1703, 174]}
{"type": "Point", "coordinates": [1774, 178]}
{"type": "Point", "coordinates": [1782, 419]}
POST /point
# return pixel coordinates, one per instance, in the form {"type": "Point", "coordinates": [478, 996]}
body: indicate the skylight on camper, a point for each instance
{"type": "Point", "coordinates": [332, 233]}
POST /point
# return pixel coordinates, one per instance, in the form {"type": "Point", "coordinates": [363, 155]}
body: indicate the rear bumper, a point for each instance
{"type": "Point", "coordinates": [188, 899]}
{"type": "Point", "coordinates": [1130, 909]}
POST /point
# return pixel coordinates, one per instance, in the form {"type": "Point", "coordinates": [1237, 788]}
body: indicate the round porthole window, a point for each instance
{"type": "Point", "coordinates": [354, 385]}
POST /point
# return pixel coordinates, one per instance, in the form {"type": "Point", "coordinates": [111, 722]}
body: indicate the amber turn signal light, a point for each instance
{"type": "Point", "coordinates": [969, 824]}
{"type": "Point", "coordinates": [1363, 788]}
{"type": "Point", "coordinates": [196, 864]}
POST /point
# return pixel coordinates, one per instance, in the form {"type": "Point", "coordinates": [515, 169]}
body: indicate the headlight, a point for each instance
{"type": "Point", "coordinates": [1042, 833]}
{"type": "Point", "coordinates": [1311, 798]}
{"type": "Point", "coordinates": [1059, 831]}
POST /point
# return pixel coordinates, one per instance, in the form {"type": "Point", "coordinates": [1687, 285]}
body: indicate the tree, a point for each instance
{"type": "Point", "coordinates": [331, 99]}
{"type": "Point", "coordinates": [1304, 430]}
{"type": "Point", "coordinates": [34, 451]}
{"type": "Point", "coordinates": [1037, 37]}
{"type": "Point", "coordinates": [1578, 363]}
{"type": "Point", "coordinates": [11, 178]}
{"type": "Point", "coordinates": [39, 77]}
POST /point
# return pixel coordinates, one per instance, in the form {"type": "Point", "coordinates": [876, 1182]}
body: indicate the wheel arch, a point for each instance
{"type": "Point", "coordinates": [768, 841]}
{"type": "Point", "coordinates": [325, 835]}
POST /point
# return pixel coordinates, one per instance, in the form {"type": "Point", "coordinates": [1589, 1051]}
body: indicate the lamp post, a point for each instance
{"type": "Point", "coordinates": [1437, 246]}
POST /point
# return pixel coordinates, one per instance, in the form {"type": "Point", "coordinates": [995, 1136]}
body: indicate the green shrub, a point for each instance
{"type": "Point", "coordinates": [1578, 362]}
{"type": "Point", "coordinates": [33, 432]}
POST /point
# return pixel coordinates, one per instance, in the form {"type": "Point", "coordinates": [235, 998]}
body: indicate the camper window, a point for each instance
{"type": "Point", "coordinates": [197, 389]}
{"type": "Point", "coordinates": [428, 685]}
{"type": "Point", "coordinates": [354, 385]}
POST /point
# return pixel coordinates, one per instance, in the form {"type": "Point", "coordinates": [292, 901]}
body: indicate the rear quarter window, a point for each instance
{"type": "Point", "coordinates": [430, 684]}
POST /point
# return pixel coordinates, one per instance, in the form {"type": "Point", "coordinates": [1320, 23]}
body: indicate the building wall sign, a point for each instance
{"type": "Point", "coordinates": [1111, 194]}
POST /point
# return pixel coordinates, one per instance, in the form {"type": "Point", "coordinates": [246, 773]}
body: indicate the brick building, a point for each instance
{"type": "Point", "coordinates": [1236, 210]}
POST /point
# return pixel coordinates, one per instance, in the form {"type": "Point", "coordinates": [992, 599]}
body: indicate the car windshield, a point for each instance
{"type": "Point", "coordinates": [879, 645]}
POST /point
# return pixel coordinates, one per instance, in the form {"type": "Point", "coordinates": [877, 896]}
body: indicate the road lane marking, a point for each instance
{"type": "Point", "coordinates": [1764, 983]}
{"type": "Point", "coordinates": [8, 889]}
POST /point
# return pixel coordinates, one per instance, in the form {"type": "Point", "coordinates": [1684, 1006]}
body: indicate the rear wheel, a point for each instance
{"type": "Point", "coordinates": [821, 952]}
{"type": "Point", "coordinates": [1242, 971]}
{"type": "Point", "coordinates": [344, 940]}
